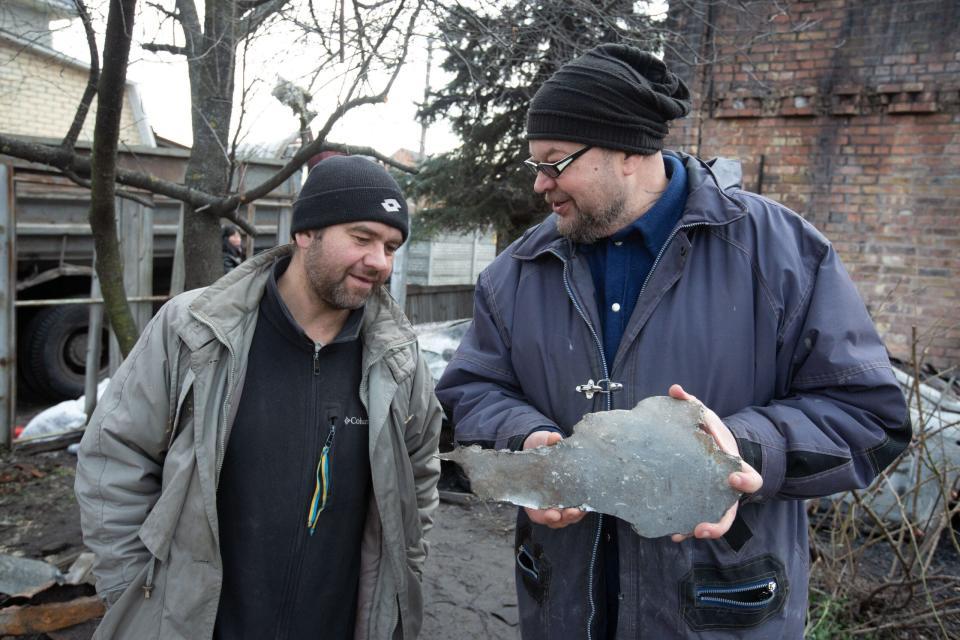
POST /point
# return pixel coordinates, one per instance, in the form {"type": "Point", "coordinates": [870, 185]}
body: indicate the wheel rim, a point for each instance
{"type": "Point", "coordinates": [74, 352]}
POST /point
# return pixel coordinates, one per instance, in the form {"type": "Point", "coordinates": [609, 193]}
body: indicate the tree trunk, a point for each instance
{"type": "Point", "coordinates": [103, 219]}
{"type": "Point", "coordinates": [211, 87]}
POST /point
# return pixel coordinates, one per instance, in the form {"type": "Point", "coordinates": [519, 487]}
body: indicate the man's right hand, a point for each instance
{"type": "Point", "coordinates": [553, 518]}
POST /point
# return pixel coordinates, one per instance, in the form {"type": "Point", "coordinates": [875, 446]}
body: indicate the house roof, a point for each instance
{"type": "Point", "coordinates": [132, 91]}
{"type": "Point", "coordinates": [54, 8]}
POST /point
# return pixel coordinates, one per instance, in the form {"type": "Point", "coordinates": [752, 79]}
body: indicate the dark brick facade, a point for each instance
{"type": "Point", "coordinates": [848, 112]}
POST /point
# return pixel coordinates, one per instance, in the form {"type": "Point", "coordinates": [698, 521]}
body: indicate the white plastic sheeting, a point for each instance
{"type": "Point", "coordinates": [66, 416]}
{"type": "Point", "coordinates": [915, 487]}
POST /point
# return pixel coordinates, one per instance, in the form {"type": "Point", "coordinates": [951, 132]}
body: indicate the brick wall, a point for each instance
{"type": "Point", "coordinates": [848, 112]}
{"type": "Point", "coordinates": [39, 96]}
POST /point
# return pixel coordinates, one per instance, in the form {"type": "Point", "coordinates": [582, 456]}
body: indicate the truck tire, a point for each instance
{"type": "Point", "coordinates": [55, 351]}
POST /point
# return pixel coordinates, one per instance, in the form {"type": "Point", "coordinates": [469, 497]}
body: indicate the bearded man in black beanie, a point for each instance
{"type": "Point", "coordinates": [656, 273]}
{"type": "Point", "coordinates": [263, 464]}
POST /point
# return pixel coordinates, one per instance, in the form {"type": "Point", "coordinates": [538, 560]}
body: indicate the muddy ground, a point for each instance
{"type": "Point", "coordinates": [468, 582]}
{"type": "Point", "coordinates": [468, 579]}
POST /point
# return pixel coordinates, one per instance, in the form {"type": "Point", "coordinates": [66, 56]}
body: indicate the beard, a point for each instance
{"type": "Point", "coordinates": [332, 286]}
{"type": "Point", "coordinates": [586, 226]}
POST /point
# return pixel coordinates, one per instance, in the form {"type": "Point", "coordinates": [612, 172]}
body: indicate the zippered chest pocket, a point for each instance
{"type": "Point", "coordinates": [753, 595]}
{"type": "Point", "coordinates": [734, 596]}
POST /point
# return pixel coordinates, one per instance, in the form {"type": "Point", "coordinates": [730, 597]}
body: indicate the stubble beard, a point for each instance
{"type": "Point", "coordinates": [586, 226]}
{"type": "Point", "coordinates": [332, 288]}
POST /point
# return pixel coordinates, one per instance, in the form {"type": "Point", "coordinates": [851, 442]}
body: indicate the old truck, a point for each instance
{"type": "Point", "coordinates": [54, 257]}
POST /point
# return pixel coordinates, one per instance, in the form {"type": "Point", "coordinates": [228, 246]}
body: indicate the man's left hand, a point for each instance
{"type": "Point", "coordinates": [747, 480]}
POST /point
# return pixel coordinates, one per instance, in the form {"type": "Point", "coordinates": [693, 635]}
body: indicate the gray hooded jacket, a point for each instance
{"type": "Point", "coordinates": [150, 460]}
{"type": "Point", "coordinates": [748, 307]}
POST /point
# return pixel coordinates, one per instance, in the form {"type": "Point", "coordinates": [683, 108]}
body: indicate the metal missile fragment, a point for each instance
{"type": "Point", "coordinates": [652, 466]}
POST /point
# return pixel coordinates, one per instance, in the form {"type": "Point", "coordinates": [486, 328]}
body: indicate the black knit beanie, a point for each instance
{"type": "Point", "coordinates": [614, 96]}
{"type": "Point", "coordinates": [347, 189]}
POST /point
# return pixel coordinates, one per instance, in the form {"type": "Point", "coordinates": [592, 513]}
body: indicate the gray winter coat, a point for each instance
{"type": "Point", "coordinates": [151, 456]}
{"type": "Point", "coordinates": [748, 307]}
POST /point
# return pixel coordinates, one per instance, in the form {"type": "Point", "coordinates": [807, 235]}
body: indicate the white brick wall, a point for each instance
{"type": "Point", "coordinates": [39, 96]}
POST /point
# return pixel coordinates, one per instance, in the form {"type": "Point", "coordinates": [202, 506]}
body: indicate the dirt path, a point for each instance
{"type": "Point", "coordinates": [468, 581]}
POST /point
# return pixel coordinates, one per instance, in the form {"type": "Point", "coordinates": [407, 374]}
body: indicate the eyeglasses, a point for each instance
{"type": "Point", "coordinates": [554, 169]}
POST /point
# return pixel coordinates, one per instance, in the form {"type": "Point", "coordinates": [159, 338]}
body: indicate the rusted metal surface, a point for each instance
{"type": "Point", "coordinates": [41, 618]}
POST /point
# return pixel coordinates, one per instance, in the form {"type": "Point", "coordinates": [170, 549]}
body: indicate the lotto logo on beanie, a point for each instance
{"type": "Point", "coordinates": [391, 205]}
{"type": "Point", "coordinates": [349, 189]}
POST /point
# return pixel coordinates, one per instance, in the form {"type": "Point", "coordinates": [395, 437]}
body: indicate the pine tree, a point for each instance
{"type": "Point", "coordinates": [498, 58]}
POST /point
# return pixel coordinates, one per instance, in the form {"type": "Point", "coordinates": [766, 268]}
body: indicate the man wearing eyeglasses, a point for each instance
{"type": "Point", "coordinates": [655, 273]}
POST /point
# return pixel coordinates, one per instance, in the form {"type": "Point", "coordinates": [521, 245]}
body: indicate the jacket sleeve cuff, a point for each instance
{"type": "Point", "coordinates": [757, 449]}
{"type": "Point", "coordinates": [515, 443]}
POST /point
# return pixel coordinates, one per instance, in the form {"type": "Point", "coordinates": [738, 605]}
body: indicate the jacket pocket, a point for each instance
{"type": "Point", "coordinates": [734, 596]}
{"type": "Point", "coordinates": [533, 567]}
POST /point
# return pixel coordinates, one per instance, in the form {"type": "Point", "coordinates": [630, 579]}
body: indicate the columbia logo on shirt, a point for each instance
{"type": "Point", "coordinates": [355, 420]}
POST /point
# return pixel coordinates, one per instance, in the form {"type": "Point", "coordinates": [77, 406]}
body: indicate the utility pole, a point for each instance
{"type": "Point", "coordinates": [8, 316]}
{"type": "Point", "coordinates": [398, 281]}
{"type": "Point", "coordinates": [426, 96]}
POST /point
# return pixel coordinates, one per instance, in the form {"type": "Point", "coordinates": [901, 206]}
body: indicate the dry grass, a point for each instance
{"type": "Point", "coordinates": [886, 561]}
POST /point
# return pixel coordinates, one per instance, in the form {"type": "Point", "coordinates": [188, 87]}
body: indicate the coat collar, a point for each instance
{"type": "Point", "coordinates": [222, 310]}
{"type": "Point", "coordinates": [711, 200]}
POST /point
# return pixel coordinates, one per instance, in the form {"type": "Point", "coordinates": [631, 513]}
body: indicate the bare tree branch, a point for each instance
{"type": "Point", "coordinates": [305, 153]}
{"type": "Point", "coordinates": [121, 193]}
{"type": "Point", "coordinates": [103, 167]}
{"type": "Point", "coordinates": [252, 21]}
{"type": "Point", "coordinates": [320, 142]}
{"type": "Point", "coordinates": [80, 166]}
{"type": "Point", "coordinates": [83, 108]}
{"type": "Point", "coordinates": [190, 22]}
{"type": "Point", "coordinates": [159, 8]}
{"type": "Point", "coordinates": [168, 48]}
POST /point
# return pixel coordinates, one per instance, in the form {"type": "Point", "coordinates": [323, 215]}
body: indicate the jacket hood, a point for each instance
{"type": "Point", "coordinates": [711, 200]}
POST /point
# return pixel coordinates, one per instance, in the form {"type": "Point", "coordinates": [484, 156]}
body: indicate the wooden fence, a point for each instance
{"type": "Point", "coordinates": [439, 303]}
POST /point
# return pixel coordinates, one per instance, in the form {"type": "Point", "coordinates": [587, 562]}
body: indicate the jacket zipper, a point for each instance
{"type": "Point", "coordinates": [292, 581]}
{"type": "Point", "coordinates": [753, 595]}
{"type": "Point", "coordinates": [609, 404]}
{"type": "Point", "coordinates": [364, 377]}
{"type": "Point", "coordinates": [606, 375]}
{"type": "Point", "coordinates": [663, 248]}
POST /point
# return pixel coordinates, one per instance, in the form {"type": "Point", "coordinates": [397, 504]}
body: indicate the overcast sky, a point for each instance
{"type": "Point", "coordinates": [164, 88]}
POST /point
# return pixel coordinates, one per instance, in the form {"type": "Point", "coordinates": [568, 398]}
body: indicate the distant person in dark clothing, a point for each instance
{"type": "Point", "coordinates": [232, 248]}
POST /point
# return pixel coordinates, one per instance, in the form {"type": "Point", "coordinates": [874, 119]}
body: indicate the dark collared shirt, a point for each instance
{"type": "Point", "coordinates": [621, 263]}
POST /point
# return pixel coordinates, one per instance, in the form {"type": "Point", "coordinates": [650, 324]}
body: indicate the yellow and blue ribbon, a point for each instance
{"type": "Point", "coordinates": [322, 487]}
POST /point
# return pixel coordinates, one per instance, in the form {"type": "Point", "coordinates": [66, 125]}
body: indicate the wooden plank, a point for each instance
{"type": "Point", "coordinates": [94, 349]}
{"type": "Point", "coordinates": [41, 618]}
{"type": "Point", "coordinates": [48, 442]}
